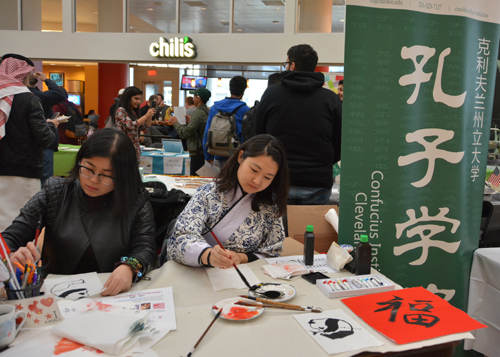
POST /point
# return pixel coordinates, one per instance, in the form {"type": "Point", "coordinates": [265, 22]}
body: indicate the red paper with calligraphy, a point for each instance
{"type": "Point", "coordinates": [410, 315]}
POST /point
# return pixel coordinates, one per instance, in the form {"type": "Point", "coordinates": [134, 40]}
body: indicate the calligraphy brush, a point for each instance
{"type": "Point", "coordinates": [204, 333]}
{"type": "Point", "coordinates": [234, 265]}
{"type": "Point", "coordinates": [306, 308]}
{"type": "Point", "coordinates": [256, 304]}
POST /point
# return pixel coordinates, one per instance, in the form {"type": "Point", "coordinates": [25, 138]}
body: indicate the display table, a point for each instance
{"type": "Point", "coordinates": [159, 162]}
{"type": "Point", "coordinates": [484, 294]}
{"type": "Point", "coordinates": [64, 159]}
{"type": "Point", "coordinates": [275, 333]}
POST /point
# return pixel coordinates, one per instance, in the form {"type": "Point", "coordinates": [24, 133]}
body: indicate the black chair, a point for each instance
{"type": "Point", "coordinates": [485, 221]}
{"type": "Point", "coordinates": [94, 120]}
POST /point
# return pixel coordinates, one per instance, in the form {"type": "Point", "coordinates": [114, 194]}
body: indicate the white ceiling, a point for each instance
{"type": "Point", "coordinates": [209, 16]}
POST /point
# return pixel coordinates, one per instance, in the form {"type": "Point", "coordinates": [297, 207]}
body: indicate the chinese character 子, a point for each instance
{"type": "Point", "coordinates": [419, 76]}
{"type": "Point", "coordinates": [426, 232]}
{"type": "Point", "coordinates": [431, 151]}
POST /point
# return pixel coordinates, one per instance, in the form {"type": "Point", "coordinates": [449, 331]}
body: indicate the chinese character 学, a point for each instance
{"type": "Point", "coordinates": [421, 229]}
{"type": "Point", "coordinates": [426, 320]}
{"type": "Point", "coordinates": [431, 151]}
{"type": "Point", "coordinates": [419, 76]}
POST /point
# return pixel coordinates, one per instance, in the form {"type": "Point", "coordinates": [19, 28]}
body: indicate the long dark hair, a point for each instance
{"type": "Point", "coordinates": [116, 146]}
{"type": "Point", "coordinates": [124, 102]}
{"type": "Point", "coordinates": [277, 192]}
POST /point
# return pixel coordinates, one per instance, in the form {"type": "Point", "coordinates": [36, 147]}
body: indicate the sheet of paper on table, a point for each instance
{"type": "Point", "coordinates": [320, 263]}
{"type": "Point", "coordinates": [73, 287]}
{"type": "Point", "coordinates": [146, 164]}
{"type": "Point", "coordinates": [336, 332]}
{"type": "Point", "coordinates": [223, 279]}
{"type": "Point", "coordinates": [208, 170]}
{"type": "Point", "coordinates": [159, 301]}
{"type": "Point", "coordinates": [180, 114]}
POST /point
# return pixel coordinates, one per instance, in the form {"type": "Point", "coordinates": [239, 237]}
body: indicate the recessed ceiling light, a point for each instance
{"type": "Point", "coordinates": [150, 9]}
{"type": "Point", "coordinates": [278, 8]}
{"type": "Point", "coordinates": [222, 20]}
{"type": "Point", "coordinates": [132, 27]}
{"type": "Point", "coordinates": [203, 8]}
{"type": "Point", "coordinates": [78, 65]}
{"type": "Point", "coordinates": [342, 20]}
{"type": "Point", "coordinates": [239, 30]}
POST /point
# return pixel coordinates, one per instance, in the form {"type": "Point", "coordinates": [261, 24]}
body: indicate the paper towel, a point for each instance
{"type": "Point", "coordinates": [333, 218]}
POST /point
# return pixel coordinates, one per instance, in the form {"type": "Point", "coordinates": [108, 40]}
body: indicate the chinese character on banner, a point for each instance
{"type": "Point", "coordinates": [494, 178]}
{"type": "Point", "coordinates": [410, 315]}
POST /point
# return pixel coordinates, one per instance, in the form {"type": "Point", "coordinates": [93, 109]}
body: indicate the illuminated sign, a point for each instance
{"type": "Point", "coordinates": [175, 47]}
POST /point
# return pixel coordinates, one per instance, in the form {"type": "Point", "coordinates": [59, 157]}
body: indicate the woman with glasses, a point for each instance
{"type": "Point", "coordinates": [127, 116]}
{"type": "Point", "coordinates": [98, 219]}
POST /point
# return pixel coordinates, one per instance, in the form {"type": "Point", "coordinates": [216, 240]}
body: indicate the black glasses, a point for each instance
{"type": "Point", "coordinates": [285, 64]}
{"type": "Point", "coordinates": [88, 173]}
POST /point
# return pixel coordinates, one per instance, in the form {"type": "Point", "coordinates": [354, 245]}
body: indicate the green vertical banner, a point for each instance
{"type": "Point", "coordinates": [419, 85]}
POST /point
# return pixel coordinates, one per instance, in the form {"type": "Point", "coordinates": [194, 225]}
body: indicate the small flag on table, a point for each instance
{"type": "Point", "coordinates": [494, 178]}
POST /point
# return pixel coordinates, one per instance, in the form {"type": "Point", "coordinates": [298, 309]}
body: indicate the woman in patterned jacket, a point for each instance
{"type": "Point", "coordinates": [243, 208]}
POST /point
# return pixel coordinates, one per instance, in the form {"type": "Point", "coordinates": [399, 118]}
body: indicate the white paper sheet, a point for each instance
{"type": "Point", "coordinates": [223, 279]}
{"type": "Point", "coordinates": [73, 287]}
{"type": "Point", "coordinates": [320, 262]}
{"type": "Point", "coordinates": [180, 114]}
{"type": "Point", "coordinates": [159, 301]}
{"type": "Point", "coordinates": [146, 164]}
{"type": "Point", "coordinates": [173, 165]}
{"type": "Point", "coordinates": [336, 332]}
{"type": "Point", "coordinates": [208, 170]}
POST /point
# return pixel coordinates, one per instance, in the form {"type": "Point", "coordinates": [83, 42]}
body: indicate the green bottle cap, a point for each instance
{"type": "Point", "coordinates": [363, 238]}
{"type": "Point", "coordinates": [309, 228]}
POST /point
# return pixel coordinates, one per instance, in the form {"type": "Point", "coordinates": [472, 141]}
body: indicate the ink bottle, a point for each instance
{"type": "Point", "coordinates": [309, 245]}
{"type": "Point", "coordinates": [363, 256]}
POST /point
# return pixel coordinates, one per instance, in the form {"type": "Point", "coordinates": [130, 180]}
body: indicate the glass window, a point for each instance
{"type": "Point", "coordinates": [167, 92]}
{"type": "Point", "coordinates": [44, 15]}
{"type": "Point", "coordinates": [8, 15]}
{"type": "Point", "coordinates": [99, 16]}
{"type": "Point", "coordinates": [205, 16]}
{"type": "Point", "coordinates": [338, 16]}
{"type": "Point", "coordinates": [256, 16]}
{"type": "Point", "coordinates": [151, 17]}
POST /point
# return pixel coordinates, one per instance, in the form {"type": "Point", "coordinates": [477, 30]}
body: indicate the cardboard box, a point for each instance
{"type": "Point", "coordinates": [298, 217]}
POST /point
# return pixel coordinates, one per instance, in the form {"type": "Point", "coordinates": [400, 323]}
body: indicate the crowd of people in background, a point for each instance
{"type": "Point", "coordinates": [282, 150]}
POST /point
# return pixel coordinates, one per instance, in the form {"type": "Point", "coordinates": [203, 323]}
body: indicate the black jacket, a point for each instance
{"type": "Point", "coordinates": [49, 98]}
{"type": "Point", "coordinates": [71, 225]}
{"type": "Point", "coordinates": [27, 134]}
{"type": "Point", "coordinates": [306, 118]}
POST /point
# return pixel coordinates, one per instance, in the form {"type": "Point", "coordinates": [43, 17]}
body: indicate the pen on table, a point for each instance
{"type": "Point", "coordinates": [234, 265]}
{"type": "Point", "coordinates": [204, 333]}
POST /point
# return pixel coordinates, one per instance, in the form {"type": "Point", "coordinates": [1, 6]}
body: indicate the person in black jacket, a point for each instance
{"type": "Point", "coordinates": [99, 219]}
{"type": "Point", "coordinates": [306, 118]}
{"type": "Point", "coordinates": [49, 98]}
{"type": "Point", "coordinates": [24, 133]}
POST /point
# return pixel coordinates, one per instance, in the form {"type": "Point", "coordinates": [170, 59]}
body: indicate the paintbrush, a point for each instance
{"type": "Point", "coordinates": [204, 333]}
{"type": "Point", "coordinates": [234, 265]}
{"type": "Point", "coordinates": [260, 305]}
{"type": "Point", "coordinates": [275, 303]}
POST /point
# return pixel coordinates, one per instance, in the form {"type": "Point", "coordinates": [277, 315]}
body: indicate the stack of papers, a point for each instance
{"type": "Point", "coordinates": [285, 270]}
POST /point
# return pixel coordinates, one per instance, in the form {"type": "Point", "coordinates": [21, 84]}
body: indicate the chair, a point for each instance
{"type": "Point", "coordinates": [94, 120]}
{"type": "Point", "coordinates": [485, 221]}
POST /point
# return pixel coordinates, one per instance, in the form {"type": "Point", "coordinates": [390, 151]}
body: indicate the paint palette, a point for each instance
{"type": "Point", "coordinates": [273, 291]}
{"type": "Point", "coordinates": [231, 311]}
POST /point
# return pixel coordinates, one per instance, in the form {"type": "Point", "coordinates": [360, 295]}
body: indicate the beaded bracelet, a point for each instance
{"type": "Point", "coordinates": [134, 264]}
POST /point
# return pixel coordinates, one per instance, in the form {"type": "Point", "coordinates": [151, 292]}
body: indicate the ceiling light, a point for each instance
{"type": "Point", "coordinates": [78, 65]}
{"type": "Point", "coordinates": [342, 20]}
{"type": "Point", "coordinates": [132, 27]}
{"type": "Point", "coordinates": [277, 8]}
{"type": "Point", "coordinates": [276, 22]}
{"type": "Point", "coordinates": [239, 30]}
{"type": "Point", "coordinates": [150, 9]}
{"type": "Point", "coordinates": [203, 8]}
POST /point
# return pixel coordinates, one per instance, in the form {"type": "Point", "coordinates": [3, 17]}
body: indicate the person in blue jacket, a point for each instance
{"type": "Point", "coordinates": [237, 86]}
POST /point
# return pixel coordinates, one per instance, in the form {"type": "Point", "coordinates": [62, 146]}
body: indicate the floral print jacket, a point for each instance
{"type": "Point", "coordinates": [129, 127]}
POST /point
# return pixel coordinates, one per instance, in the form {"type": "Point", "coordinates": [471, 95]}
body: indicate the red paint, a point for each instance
{"type": "Point", "coordinates": [47, 302]}
{"type": "Point", "coordinates": [240, 313]}
{"type": "Point", "coordinates": [112, 78]}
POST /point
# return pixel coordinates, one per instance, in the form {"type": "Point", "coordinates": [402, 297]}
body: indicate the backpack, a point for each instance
{"type": "Point", "coordinates": [75, 127]}
{"type": "Point", "coordinates": [248, 124]}
{"type": "Point", "coordinates": [109, 122]}
{"type": "Point", "coordinates": [222, 139]}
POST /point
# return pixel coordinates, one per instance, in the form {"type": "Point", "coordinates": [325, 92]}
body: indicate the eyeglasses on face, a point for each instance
{"type": "Point", "coordinates": [285, 64]}
{"type": "Point", "coordinates": [88, 173]}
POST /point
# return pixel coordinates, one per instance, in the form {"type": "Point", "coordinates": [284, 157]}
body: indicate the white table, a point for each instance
{"type": "Point", "coordinates": [484, 297]}
{"type": "Point", "coordinates": [275, 333]}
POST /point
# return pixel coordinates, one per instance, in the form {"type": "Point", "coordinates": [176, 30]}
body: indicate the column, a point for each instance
{"type": "Point", "coordinates": [112, 77]}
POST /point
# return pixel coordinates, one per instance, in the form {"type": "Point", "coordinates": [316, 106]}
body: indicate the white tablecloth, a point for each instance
{"type": "Point", "coordinates": [275, 333]}
{"type": "Point", "coordinates": [484, 298]}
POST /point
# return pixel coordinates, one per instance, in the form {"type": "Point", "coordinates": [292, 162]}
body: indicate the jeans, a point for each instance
{"type": "Point", "coordinates": [48, 165]}
{"type": "Point", "coordinates": [309, 196]}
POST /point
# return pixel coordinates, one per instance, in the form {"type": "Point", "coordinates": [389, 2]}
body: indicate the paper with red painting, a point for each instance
{"type": "Point", "coordinates": [40, 311]}
{"type": "Point", "coordinates": [410, 315]}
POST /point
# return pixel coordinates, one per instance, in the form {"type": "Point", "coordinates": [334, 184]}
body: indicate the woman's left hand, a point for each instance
{"type": "Point", "coordinates": [119, 280]}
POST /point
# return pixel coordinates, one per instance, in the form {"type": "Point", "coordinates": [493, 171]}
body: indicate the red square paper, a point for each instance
{"type": "Point", "coordinates": [410, 315]}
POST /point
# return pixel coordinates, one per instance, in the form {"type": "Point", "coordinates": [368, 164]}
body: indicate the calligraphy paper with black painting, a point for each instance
{"type": "Point", "coordinates": [336, 332]}
{"type": "Point", "coordinates": [410, 315]}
